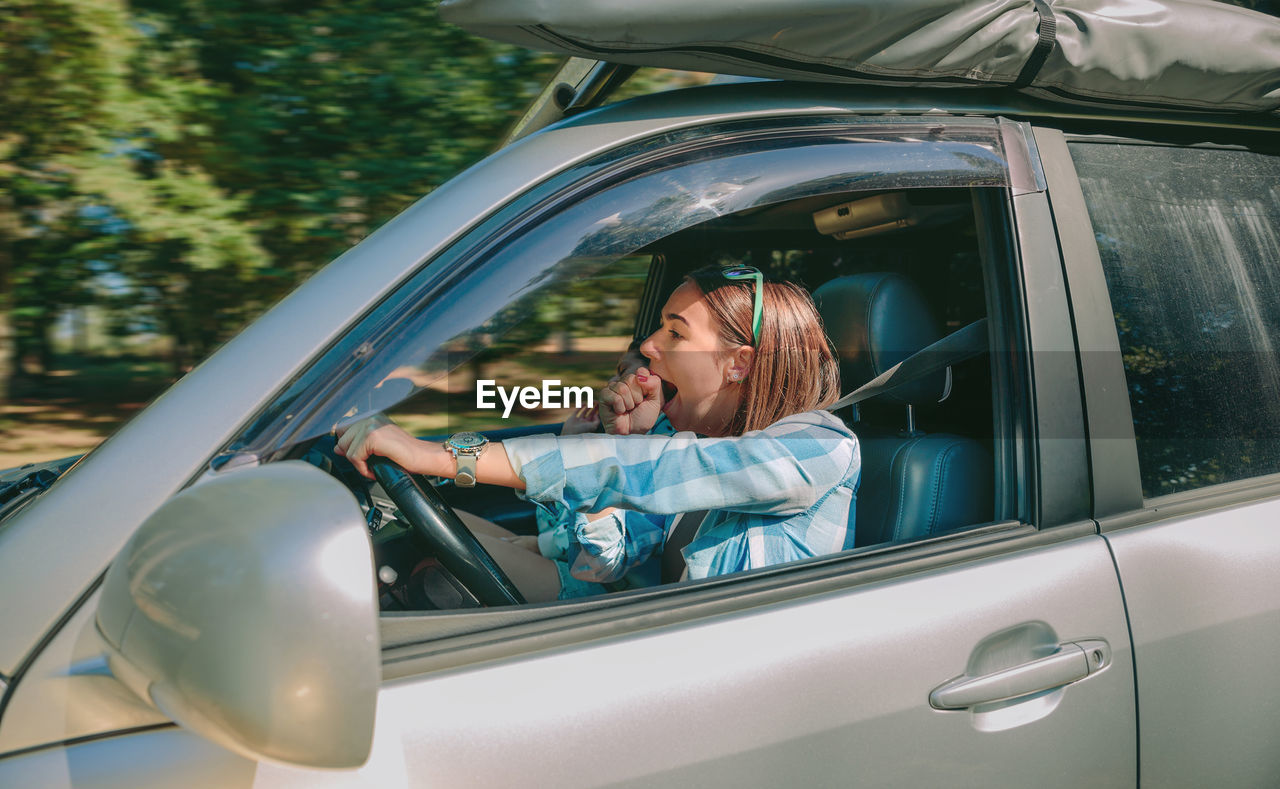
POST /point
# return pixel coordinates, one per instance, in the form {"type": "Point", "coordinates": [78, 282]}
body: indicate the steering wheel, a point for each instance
{"type": "Point", "coordinates": [451, 541]}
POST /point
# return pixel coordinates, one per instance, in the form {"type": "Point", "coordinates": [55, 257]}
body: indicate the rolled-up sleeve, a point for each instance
{"type": "Point", "coordinates": [612, 544]}
{"type": "Point", "coordinates": [605, 551]}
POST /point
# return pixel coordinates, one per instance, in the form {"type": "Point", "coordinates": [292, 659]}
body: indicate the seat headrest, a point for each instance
{"type": "Point", "coordinates": [876, 320]}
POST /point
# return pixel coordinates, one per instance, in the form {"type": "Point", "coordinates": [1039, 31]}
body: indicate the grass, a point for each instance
{"type": "Point", "coordinates": [74, 407]}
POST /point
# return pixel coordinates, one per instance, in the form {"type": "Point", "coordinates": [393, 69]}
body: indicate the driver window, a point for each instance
{"type": "Point", "coordinates": [513, 331]}
{"type": "Point", "coordinates": [535, 364]}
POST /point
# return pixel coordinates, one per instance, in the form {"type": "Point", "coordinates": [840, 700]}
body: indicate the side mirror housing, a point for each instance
{"type": "Point", "coordinates": [245, 609]}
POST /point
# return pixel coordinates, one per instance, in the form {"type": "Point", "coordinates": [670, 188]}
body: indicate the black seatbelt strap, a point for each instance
{"type": "Point", "coordinates": [955, 347]}
{"type": "Point", "coordinates": [672, 562]}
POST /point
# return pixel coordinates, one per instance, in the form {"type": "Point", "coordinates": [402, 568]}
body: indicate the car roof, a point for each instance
{"type": "Point", "coordinates": [766, 98]}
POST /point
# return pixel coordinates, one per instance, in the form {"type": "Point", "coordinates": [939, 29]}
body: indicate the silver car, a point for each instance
{"type": "Point", "coordinates": [1065, 552]}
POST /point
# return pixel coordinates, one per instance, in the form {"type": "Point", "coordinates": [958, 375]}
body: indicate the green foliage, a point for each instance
{"type": "Point", "coordinates": [62, 65]}
{"type": "Point", "coordinates": [331, 117]}
{"type": "Point", "coordinates": [185, 162]}
{"type": "Point", "coordinates": [87, 193]}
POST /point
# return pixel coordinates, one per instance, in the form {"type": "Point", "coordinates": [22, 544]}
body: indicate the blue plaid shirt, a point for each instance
{"type": "Point", "coordinates": [774, 495]}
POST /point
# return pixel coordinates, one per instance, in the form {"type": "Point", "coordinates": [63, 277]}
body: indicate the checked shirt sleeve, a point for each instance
{"type": "Point", "coordinates": [774, 473]}
{"type": "Point", "coordinates": [613, 544]}
{"type": "Point", "coordinates": [780, 470]}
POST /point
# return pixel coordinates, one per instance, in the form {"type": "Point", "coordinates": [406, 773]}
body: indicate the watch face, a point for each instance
{"type": "Point", "coordinates": [468, 440]}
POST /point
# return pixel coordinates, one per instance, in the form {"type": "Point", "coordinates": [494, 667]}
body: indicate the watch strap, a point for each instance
{"type": "Point", "coordinates": [466, 476]}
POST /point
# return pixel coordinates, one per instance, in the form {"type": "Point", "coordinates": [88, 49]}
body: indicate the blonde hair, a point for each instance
{"type": "Point", "coordinates": [794, 369]}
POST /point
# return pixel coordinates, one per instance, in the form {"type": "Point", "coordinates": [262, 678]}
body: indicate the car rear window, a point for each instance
{"type": "Point", "coordinates": [1189, 244]}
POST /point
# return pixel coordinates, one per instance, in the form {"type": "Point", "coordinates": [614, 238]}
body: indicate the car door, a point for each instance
{"type": "Point", "coordinates": [994, 655]}
{"type": "Point", "coordinates": [1177, 244]}
{"type": "Point", "coordinates": [820, 673]}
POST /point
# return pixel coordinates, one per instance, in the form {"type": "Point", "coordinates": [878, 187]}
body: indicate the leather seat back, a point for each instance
{"type": "Point", "coordinates": [913, 485]}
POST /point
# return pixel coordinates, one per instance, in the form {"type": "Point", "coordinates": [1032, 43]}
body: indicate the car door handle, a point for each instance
{"type": "Point", "coordinates": [1073, 661]}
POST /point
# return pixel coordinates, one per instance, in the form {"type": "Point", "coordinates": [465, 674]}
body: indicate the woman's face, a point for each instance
{"type": "Point", "coordinates": [687, 354]}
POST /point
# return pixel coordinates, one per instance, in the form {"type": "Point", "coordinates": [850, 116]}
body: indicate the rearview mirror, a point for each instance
{"type": "Point", "coordinates": [245, 609]}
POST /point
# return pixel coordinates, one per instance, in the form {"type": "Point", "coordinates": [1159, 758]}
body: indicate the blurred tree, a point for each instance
{"type": "Point", "coordinates": [331, 117]}
{"type": "Point", "coordinates": [60, 64]}
{"type": "Point", "coordinates": [85, 100]}
{"type": "Point", "coordinates": [208, 154]}
{"type": "Point", "coordinates": [205, 155]}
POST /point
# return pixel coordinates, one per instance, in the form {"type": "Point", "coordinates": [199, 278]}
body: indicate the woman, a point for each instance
{"type": "Point", "coordinates": [724, 419]}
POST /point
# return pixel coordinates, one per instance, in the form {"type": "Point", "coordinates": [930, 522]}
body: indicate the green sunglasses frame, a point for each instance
{"type": "Point", "coordinates": [739, 273]}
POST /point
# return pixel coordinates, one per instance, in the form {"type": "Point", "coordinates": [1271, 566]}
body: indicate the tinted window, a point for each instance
{"type": "Point", "coordinates": [1189, 244]}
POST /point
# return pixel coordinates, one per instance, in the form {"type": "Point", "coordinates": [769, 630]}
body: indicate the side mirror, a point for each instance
{"type": "Point", "coordinates": [245, 609]}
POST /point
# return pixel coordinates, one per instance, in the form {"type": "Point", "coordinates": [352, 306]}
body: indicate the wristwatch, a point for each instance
{"type": "Point", "coordinates": [466, 447]}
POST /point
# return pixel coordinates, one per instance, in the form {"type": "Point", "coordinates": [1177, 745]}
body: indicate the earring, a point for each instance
{"type": "Point", "coordinates": [734, 376]}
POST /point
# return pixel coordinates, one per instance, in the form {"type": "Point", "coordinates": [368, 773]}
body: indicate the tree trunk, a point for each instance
{"type": "Point", "coordinates": [476, 363]}
{"type": "Point", "coordinates": [42, 338]}
{"type": "Point", "coordinates": [566, 342]}
{"type": "Point", "coordinates": [178, 353]}
{"type": "Point", "coordinates": [6, 337]}
{"type": "Point", "coordinates": [8, 232]}
{"type": "Point", "coordinates": [172, 321]}
{"type": "Point", "coordinates": [80, 327]}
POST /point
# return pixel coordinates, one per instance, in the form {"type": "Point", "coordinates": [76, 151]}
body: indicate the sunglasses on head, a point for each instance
{"type": "Point", "coordinates": [738, 273]}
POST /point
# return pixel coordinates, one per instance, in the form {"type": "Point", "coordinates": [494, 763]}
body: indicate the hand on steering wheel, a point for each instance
{"type": "Point", "coordinates": [359, 441]}
{"type": "Point", "coordinates": [378, 448]}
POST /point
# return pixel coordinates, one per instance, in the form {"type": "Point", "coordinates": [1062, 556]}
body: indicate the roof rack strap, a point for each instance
{"type": "Point", "coordinates": [1048, 32]}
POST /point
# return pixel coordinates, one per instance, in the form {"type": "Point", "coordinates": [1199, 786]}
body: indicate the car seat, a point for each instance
{"type": "Point", "coordinates": [913, 484]}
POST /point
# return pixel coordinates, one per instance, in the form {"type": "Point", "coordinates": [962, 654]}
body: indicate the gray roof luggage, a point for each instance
{"type": "Point", "coordinates": [1170, 54]}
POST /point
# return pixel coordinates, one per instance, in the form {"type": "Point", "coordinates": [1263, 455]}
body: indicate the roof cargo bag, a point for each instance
{"type": "Point", "coordinates": [1169, 54]}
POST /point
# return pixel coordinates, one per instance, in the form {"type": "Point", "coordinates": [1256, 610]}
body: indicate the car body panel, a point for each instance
{"type": "Point", "coordinates": [68, 692]}
{"type": "Point", "coordinates": [833, 687]}
{"type": "Point", "coordinates": [1197, 568]}
{"type": "Point", "coordinates": [800, 692]}
{"type": "Point", "coordinates": [1204, 608]}
{"type": "Point", "coordinates": [142, 759]}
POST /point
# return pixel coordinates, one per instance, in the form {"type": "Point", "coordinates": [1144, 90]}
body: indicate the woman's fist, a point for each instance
{"type": "Point", "coordinates": [631, 406]}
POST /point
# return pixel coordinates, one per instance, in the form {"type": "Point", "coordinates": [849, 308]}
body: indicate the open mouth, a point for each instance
{"type": "Point", "coordinates": [669, 392]}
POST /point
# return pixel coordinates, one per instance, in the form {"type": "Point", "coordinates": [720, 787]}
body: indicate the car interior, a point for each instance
{"type": "Point", "coordinates": [891, 273]}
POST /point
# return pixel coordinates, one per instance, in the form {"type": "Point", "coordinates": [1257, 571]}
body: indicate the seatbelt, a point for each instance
{"type": "Point", "coordinates": [955, 347]}
{"type": "Point", "coordinates": [672, 562]}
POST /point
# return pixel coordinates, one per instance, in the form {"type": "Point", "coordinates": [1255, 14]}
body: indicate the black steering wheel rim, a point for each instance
{"type": "Point", "coordinates": [445, 534]}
